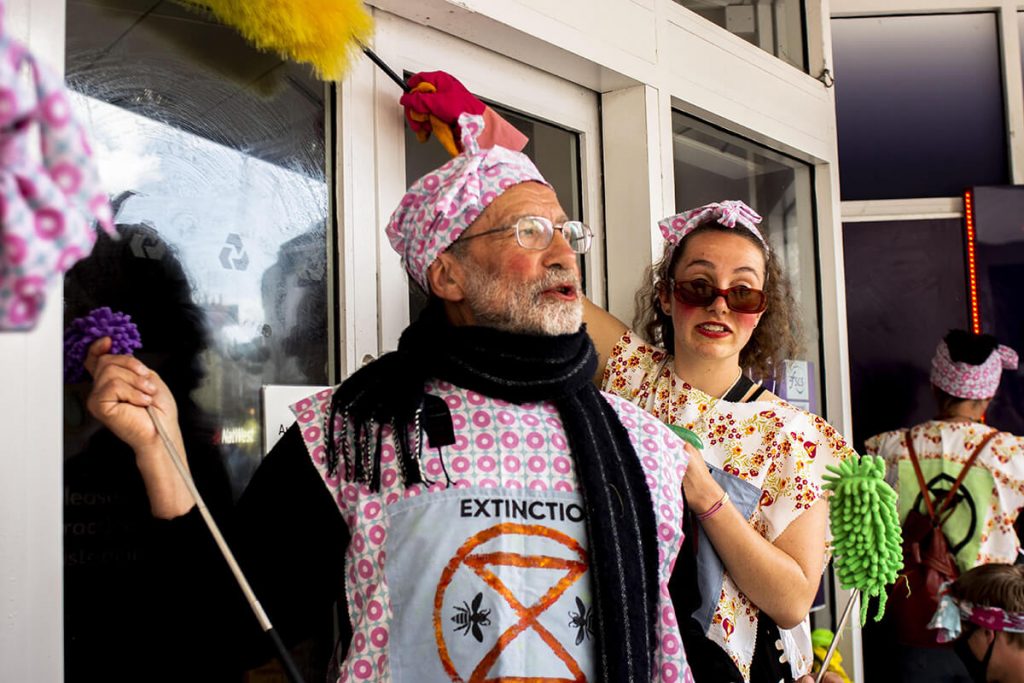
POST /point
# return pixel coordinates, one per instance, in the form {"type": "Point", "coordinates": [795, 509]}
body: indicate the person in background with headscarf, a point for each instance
{"type": "Point", "coordinates": [480, 509]}
{"type": "Point", "coordinates": [965, 374]}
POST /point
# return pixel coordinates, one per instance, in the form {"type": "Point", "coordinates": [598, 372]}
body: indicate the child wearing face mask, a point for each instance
{"type": "Point", "coordinates": [982, 613]}
{"type": "Point", "coordinates": [717, 307]}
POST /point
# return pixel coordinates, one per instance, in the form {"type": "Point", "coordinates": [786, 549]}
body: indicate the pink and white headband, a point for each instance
{"type": "Point", "coordinates": [730, 213]}
{"type": "Point", "coordinates": [964, 380]}
{"type": "Point", "coordinates": [952, 611]}
{"type": "Point", "coordinates": [439, 207]}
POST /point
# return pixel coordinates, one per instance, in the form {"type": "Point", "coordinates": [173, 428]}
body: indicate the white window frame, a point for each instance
{"type": "Point", "coordinates": [1006, 12]}
{"type": "Point", "coordinates": [31, 466]}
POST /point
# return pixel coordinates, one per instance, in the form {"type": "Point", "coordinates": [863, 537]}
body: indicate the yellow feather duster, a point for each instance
{"type": "Point", "coordinates": [323, 33]}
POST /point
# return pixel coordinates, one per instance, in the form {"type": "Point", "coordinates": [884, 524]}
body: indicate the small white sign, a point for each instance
{"type": "Point", "coordinates": [277, 415]}
{"type": "Point", "coordinates": [798, 381]}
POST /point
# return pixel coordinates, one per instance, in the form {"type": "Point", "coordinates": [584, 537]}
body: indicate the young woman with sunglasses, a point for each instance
{"type": "Point", "coordinates": [715, 307]}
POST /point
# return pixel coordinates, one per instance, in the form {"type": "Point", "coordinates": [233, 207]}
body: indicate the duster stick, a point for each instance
{"type": "Point", "coordinates": [385, 68]}
{"type": "Point", "coordinates": [835, 638]}
{"type": "Point", "coordinates": [866, 535]}
{"type": "Point", "coordinates": [282, 652]}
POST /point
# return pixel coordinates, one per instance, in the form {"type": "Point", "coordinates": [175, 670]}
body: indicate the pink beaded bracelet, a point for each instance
{"type": "Point", "coordinates": [714, 508]}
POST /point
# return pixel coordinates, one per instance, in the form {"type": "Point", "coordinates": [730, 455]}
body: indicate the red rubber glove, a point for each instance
{"type": "Point", "coordinates": [448, 102]}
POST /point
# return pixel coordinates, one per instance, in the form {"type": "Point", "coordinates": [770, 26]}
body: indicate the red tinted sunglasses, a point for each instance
{"type": "Point", "coordinates": [740, 298]}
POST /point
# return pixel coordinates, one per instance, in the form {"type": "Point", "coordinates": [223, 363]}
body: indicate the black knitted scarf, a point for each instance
{"type": "Point", "coordinates": [522, 368]}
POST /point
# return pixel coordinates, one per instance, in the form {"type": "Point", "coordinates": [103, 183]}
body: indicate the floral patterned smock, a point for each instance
{"type": "Point", "coordinates": [992, 493]}
{"type": "Point", "coordinates": [780, 450]}
{"type": "Point", "coordinates": [487, 578]}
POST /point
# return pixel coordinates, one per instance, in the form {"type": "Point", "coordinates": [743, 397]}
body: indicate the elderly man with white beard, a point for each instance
{"type": "Point", "coordinates": [480, 510]}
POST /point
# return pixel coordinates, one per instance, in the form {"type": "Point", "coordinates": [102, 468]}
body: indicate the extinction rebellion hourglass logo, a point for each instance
{"type": "Point", "coordinates": [457, 618]}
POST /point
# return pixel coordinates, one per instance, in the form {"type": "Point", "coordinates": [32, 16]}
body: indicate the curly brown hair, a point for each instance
{"type": "Point", "coordinates": [777, 336]}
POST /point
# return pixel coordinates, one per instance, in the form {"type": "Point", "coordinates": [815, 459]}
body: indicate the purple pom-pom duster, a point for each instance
{"type": "Point", "coordinates": [98, 323]}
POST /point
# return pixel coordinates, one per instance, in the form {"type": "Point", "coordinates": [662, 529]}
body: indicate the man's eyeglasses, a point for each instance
{"type": "Point", "coordinates": [740, 298]}
{"type": "Point", "coordinates": [536, 232]}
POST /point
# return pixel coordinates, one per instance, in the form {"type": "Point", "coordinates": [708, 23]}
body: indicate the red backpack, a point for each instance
{"type": "Point", "coordinates": [927, 560]}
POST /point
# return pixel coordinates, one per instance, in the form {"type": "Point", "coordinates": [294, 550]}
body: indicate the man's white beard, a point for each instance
{"type": "Point", "coordinates": [519, 307]}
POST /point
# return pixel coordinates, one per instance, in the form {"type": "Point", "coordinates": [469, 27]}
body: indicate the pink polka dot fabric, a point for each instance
{"type": "Point", "coordinates": [729, 213]}
{"type": "Point", "coordinates": [49, 192]}
{"type": "Point", "coordinates": [498, 445]}
{"type": "Point", "coordinates": [442, 204]}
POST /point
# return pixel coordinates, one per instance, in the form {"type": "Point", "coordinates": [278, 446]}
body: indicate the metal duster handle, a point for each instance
{"type": "Point", "coordinates": [835, 638]}
{"type": "Point", "coordinates": [261, 616]}
{"type": "Point", "coordinates": [385, 68]}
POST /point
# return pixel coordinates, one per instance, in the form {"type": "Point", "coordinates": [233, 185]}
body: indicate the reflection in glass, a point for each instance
{"type": "Point", "coordinates": [775, 26]}
{"type": "Point", "coordinates": [554, 150]}
{"type": "Point", "coordinates": [1000, 271]}
{"type": "Point", "coordinates": [905, 288]}
{"type": "Point", "coordinates": [221, 148]}
{"type": "Point", "coordinates": [712, 165]}
{"type": "Point", "coordinates": [919, 105]}
{"type": "Point", "coordinates": [215, 155]}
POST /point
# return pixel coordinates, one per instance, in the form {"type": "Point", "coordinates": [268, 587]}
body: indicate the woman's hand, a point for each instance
{"type": "Point", "coordinates": [701, 489]}
{"type": "Point", "coordinates": [780, 578]}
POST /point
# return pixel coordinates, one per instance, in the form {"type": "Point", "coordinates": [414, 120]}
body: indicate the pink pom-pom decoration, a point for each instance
{"type": "Point", "coordinates": [98, 323]}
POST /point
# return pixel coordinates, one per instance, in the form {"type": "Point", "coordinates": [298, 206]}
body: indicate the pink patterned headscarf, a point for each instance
{"type": "Point", "coordinates": [442, 204]}
{"type": "Point", "coordinates": [730, 213]}
{"type": "Point", "coordinates": [49, 193]}
{"type": "Point", "coordinates": [964, 380]}
{"type": "Point", "coordinates": [952, 612]}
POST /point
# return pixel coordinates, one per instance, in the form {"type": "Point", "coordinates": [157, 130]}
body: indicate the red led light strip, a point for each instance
{"type": "Point", "coordinates": [972, 273]}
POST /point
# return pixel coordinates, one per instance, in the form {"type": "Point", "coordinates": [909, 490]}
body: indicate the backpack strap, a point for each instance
{"type": "Point", "coordinates": [925, 494]}
{"type": "Point", "coordinates": [739, 389]}
{"type": "Point", "coordinates": [963, 472]}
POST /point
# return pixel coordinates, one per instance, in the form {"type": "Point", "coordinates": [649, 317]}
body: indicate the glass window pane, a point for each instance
{"type": "Point", "coordinates": [1000, 270]}
{"type": "Point", "coordinates": [554, 150]}
{"type": "Point", "coordinates": [919, 105]}
{"type": "Point", "coordinates": [775, 26]}
{"type": "Point", "coordinates": [905, 288]}
{"type": "Point", "coordinates": [215, 155]}
{"type": "Point", "coordinates": [712, 165]}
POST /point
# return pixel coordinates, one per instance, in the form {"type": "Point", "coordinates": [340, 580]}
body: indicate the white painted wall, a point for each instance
{"type": "Point", "coordinates": [31, 613]}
